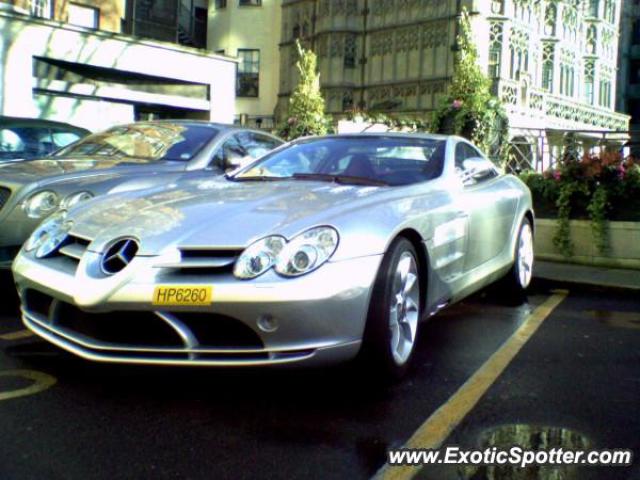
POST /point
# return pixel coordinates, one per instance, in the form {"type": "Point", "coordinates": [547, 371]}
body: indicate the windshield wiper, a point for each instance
{"type": "Point", "coordinates": [341, 179]}
{"type": "Point", "coordinates": [255, 178]}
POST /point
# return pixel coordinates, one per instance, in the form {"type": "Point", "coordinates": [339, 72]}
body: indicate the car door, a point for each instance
{"type": "Point", "coordinates": [487, 201]}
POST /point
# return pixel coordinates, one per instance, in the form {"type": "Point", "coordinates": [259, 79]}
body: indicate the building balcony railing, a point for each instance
{"type": "Point", "coordinates": [538, 103]}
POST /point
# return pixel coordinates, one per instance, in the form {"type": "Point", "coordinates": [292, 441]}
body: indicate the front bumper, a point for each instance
{"type": "Point", "coordinates": [315, 319]}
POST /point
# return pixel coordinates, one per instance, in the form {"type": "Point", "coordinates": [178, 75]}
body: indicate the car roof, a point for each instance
{"type": "Point", "coordinates": [416, 135]}
{"type": "Point", "coordinates": [205, 123]}
{"type": "Point", "coordinates": [37, 122]}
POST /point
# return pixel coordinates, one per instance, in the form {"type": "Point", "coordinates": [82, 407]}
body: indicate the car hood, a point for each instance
{"type": "Point", "coordinates": [218, 213]}
{"type": "Point", "coordinates": [50, 170]}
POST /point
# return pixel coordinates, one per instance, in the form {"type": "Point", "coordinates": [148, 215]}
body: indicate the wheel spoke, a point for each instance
{"type": "Point", "coordinates": [410, 282]}
{"type": "Point", "coordinates": [404, 308]}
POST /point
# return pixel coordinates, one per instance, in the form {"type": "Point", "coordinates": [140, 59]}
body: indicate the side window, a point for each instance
{"type": "Point", "coordinates": [229, 152]}
{"type": "Point", "coordinates": [10, 141]}
{"type": "Point", "coordinates": [257, 145]}
{"type": "Point", "coordinates": [460, 156]}
{"type": "Point", "coordinates": [28, 142]}
{"type": "Point", "coordinates": [471, 166]}
{"type": "Point", "coordinates": [62, 138]}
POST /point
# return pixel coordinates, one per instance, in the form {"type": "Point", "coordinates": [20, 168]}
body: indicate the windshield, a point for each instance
{"type": "Point", "coordinates": [161, 141]}
{"type": "Point", "coordinates": [376, 160]}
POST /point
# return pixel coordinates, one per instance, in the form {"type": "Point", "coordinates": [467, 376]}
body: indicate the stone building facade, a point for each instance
{"type": "Point", "coordinates": [629, 67]}
{"type": "Point", "coordinates": [552, 62]}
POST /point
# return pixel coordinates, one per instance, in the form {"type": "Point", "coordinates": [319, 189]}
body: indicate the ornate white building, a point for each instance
{"type": "Point", "coordinates": [553, 62]}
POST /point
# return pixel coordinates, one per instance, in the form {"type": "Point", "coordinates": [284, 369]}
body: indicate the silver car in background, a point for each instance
{"type": "Point", "coordinates": [321, 251]}
{"type": "Point", "coordinates": [125, 157]}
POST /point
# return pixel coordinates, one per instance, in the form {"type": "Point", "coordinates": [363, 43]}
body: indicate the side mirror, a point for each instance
{"type": "Point", "coordinates": [476, 168]}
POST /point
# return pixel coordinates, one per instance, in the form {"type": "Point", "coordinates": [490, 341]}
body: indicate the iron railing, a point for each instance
{"type": "Point", "coordinates": [540, 149]}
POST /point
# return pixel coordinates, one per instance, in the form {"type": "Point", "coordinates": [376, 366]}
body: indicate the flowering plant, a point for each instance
{"type": "Point", "coordinates": [599, 187]}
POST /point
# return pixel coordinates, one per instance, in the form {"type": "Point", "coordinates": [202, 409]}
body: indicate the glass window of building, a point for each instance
{"type": "Point", "coordinates": [248, 73]}
{"type": "Point", "coordinates": [41, 8]}
{"type": "Point", "coordinates": [250, 3]}
{"type": "Point", "coordinates": [83, 16]}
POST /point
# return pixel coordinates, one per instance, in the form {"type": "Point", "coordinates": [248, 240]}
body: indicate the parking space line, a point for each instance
{"type": "Point", "coordinates": [41, 381]}
{"type": "Point", "coordinates": [19, 335]}
{"type": "Point", "coordinates": [435, 430]}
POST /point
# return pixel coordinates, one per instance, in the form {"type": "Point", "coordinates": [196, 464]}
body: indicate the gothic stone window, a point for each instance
{"type": "Point", "coordinates": [592, 8]}
{"type": "Point", "coordinates": [589, 79]}
{"type": "Point", "coordinates": [592, 39]}
{"type": "Point", "coordinates": [610, 11]}
{"type": "Point", "coordinates": [519, 53]}
{"type": "Point", "coordinates": [550, 15]}
{"type": "Point", "coordinates": [350, 51]}
{"type": "Point", "coordinates": [495, 50]}
{"type": "Point", "coordinates": [41, 8]}
{"type": "Point", "coordinates": [547, 67]}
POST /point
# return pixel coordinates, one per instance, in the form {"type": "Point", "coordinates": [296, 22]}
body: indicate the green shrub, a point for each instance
{"type": "Point", "coordinates": [600, 188]}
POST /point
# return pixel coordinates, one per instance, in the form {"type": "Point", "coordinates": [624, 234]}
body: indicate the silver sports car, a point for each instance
{"type": "Point", "coordinates": [125, 157]}
{"type": "Point", "coordinates": [321, 251]}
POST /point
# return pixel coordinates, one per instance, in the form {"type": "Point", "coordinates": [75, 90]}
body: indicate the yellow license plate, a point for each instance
{"type": "Point", "coordinates": [194, 295]}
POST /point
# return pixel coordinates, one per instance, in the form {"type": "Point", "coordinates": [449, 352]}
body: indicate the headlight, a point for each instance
{"type": "Point", "coordinates": [76, 198]}
{"type": "Point", "coordinates": [41, 204]}
{"type": "Point", "coordinates": [307, 251]}
{"type": "Point", "coordinates": [48, 236]}
{"type": "Point", "coordinates": [259, 257]}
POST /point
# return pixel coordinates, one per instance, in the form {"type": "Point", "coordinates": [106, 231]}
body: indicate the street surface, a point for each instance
{"type": "Point", "coordinates": [575, 381]}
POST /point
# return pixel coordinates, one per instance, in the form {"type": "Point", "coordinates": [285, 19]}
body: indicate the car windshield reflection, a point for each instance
{"type": "Point", "coordinates": [352, 160]}
{"type": "Point", "coordinates": [159, 141]}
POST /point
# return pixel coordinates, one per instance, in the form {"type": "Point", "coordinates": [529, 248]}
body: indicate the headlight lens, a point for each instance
{"type": "Point", "coordinates": [41, 204]}
{"type": "Point", "coordinates": [307, 251]}
{"type": "Point", "coordinates": [259, 257]}
{"type": "Point", "coordinates": [76, 198]}
{"type": "Point", "coordinates": [303, 254]}
{"type": "Point", "coordinates": [48, 236]}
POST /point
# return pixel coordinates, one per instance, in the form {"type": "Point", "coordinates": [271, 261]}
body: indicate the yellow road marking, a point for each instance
{"type": "Point", "coordinates": [435, 430]}
{"type": "Point", "coordinates": [19, 335]}
{"type": "Point", "coordinates": [41, 381]}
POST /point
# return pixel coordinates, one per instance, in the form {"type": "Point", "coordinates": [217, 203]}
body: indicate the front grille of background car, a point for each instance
{"type": "Point", "coordinates": [5, 193]}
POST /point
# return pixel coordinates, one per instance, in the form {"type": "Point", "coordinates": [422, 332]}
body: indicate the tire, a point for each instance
{"type": "Point", "coordinates": [519, 277]}
{"type": "Point", "coordinates": [391, 330]}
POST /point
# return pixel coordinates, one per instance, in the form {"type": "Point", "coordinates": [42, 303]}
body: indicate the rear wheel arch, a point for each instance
{"type": "Point", "coordinates": [529, 216]}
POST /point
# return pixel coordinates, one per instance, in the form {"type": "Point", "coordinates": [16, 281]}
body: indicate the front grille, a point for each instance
{"type": "Point", "coordinates": [219, 331]}
{"type": "Point", "coordinates": [37, 302]}
{"type": "Point", "coordinates": [145, 329]}
{"type": "Point", "coordinates": [74, 247]}
{"type": "Point", "coordinates": [204, 261]}
{"type": "Point", "coordinates": [140, 329]}
{"type": "Point", "coordinates": [67, 257]}
{"type": "Point", "coordinates": [5, 193]}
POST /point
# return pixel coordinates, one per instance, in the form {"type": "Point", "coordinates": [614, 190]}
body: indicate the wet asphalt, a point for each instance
{"type": "Point", "coordinates": [580, 372]}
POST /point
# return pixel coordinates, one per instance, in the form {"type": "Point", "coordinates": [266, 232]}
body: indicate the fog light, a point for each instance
{"type": "Point", "coordinates": [267, 323]}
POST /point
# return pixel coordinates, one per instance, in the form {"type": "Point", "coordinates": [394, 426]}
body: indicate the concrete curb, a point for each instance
{"type": "Point", "coordinates": [602, 277]}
